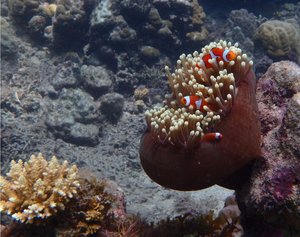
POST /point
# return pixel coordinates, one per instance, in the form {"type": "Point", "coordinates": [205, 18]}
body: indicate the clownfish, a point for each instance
{"type": "Point", "coordinates": [224, 55]}
{"type": "Point", "coordinates": [211, 136]}
{"type": "Point", "coordinates": [196, 102]}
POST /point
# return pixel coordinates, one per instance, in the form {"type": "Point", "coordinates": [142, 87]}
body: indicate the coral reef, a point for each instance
{"type": "Point", "coordinates": [262, 66]}
{"type": "Point", "coordinates": [74, 121]}
{"type": "Point", "coordinates": [37, 189]}
{"type": "Point", "coordinates": [53, 22]}
{"type": "Point", "coordinates": [226, 224]}
{"type": "Point", "coordinates": [273, 193]}
{"type": "Point", "coordinates": [279, 37]}
{"type": "Point", "coordinates": [141, 93]}
{"type": "Point", "coordinates": [156, 24]}
{"type": "Point", "coordinates": [67, 75]}
{"type": "Point", "coordinates": [96, 80]}
{"type": "Point", "coordinates": [289, 11]}
{"type": "Point", "coordinates": [112, 106]}
{"type": "Point", "coordinates": [60, 201]}
{"type": "Point", "coordinates": [9, 43]}
{"type": "Point", "coordinates": [47, 199]}
{"type": "Point", "coordinates": [240, 27]}
{"type": "Point", "coordinates": [171, 144]}
{"type": "Point", "coordinates": [149, 53]}
{"type": "Point", "coordinates": [245, 20]}
{"type": "Point", "coordinates": [39, 83]}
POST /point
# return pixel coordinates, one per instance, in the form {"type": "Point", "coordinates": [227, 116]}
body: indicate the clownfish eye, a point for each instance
{"type": "Point", "coordinates": [230, 55]}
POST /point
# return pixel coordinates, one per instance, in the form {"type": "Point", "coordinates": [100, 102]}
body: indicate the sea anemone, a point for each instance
{"type": "Point", "coordinates": [173, 152]}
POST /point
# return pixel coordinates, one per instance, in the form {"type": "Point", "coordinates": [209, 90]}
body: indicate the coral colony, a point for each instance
{"type": "Point", "coordinates": [38, 189]}
{"type": "Point", "coordinates": [49, 199]}
{"type": "Point", "coordinates": [212, 142]}
{"type": "Point", "coordinates": [40, 194]}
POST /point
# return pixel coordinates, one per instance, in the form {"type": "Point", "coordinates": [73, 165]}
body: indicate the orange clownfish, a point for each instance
{"type": "Point", "coordinates": [211, 136]}
{"type": "Point", "coordinates": [196, 102]}
{"type": "Point", "coordinates": [224, 55]}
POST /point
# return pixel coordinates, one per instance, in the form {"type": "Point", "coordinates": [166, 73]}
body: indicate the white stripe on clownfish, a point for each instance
{"type": "Point", "coordinates": [224, 56]}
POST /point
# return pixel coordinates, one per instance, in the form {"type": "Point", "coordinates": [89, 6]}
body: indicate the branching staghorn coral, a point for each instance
{"type": "Point", "coordinates": [184, 127]}
{"type": "Point", "coordinates": [37, 189]}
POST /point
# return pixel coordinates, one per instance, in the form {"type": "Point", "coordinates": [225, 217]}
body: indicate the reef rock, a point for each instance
{"type": "Point", "coordinates": [9, 43]}
{"type": "Point", "coordinates": [71, 117]}
{"type": "Point", "coordinates": [67, 75]}
{"type": "Point", "coordinates": [279, 37]}
{"type": "Point", "coordinates": [96, 80]}
{"type": "Point", "coordinates": [273, 193]}
{"type": "Point", "coordinates": [241, 26]}
{"type": "Point", "coordinates": [149, 53]}
{"type": "Point", "coordinates": [246, 21]}
{"type": "Point", "coordinates": [112, 106]}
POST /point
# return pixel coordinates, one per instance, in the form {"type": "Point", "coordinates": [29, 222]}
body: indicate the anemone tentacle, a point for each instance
{"type": "Point", "coordinates": [183, 126]}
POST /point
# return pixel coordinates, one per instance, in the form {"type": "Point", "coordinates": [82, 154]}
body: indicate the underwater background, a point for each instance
{"type": "Point", "coordinates": [77, 77]}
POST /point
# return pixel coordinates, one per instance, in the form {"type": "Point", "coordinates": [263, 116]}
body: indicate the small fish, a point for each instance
{"type": "Point", "coordinates": [196, 102]}
{"type": "Point", "coordinates": [224, 55]}
{"type": "Point", "coordinates": [211, 136]}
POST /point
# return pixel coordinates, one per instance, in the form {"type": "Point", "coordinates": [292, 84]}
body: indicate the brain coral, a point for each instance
{"type": "Point", "coordinates": [279, 37]}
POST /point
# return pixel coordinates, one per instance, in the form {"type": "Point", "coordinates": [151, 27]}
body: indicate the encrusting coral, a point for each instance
{"type": "Point", "coordinates": [173, 143]}
{"type": "Point", "coordinates": [37, 189]}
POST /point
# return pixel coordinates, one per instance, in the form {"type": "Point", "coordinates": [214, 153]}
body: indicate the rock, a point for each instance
{"type": "Point", "coordinates": [9, 43]}
{"type": "Point", "coordinates": [262, 66]}
{"type": "Point", "coordinates": [71, 117]}
{"type": "Point", "coordinates": [122, 36]}
{"type": "Point", "coordinates": [112, 106]}
{"type": "Point", "coordinates": [273, 193]}
{"type": "Point", "coordinates": [125, 82]}
{"type": "Point", "coordinates": [102, 16]}
{"type": "Point", "coordinates": [83, 134]}
{"type": "Point", "coordinates": [67, 75]}
{"type": "Point", "coordinates": [154, 18]}
{"type": "Point", "coordinates": [246, 21]}
{"type": "Point", "coordinates": [37, 25]}
{"type": "Point", "coordinates": [96, 80]}
{"type": "Point", "coordinates": [149, 53]}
